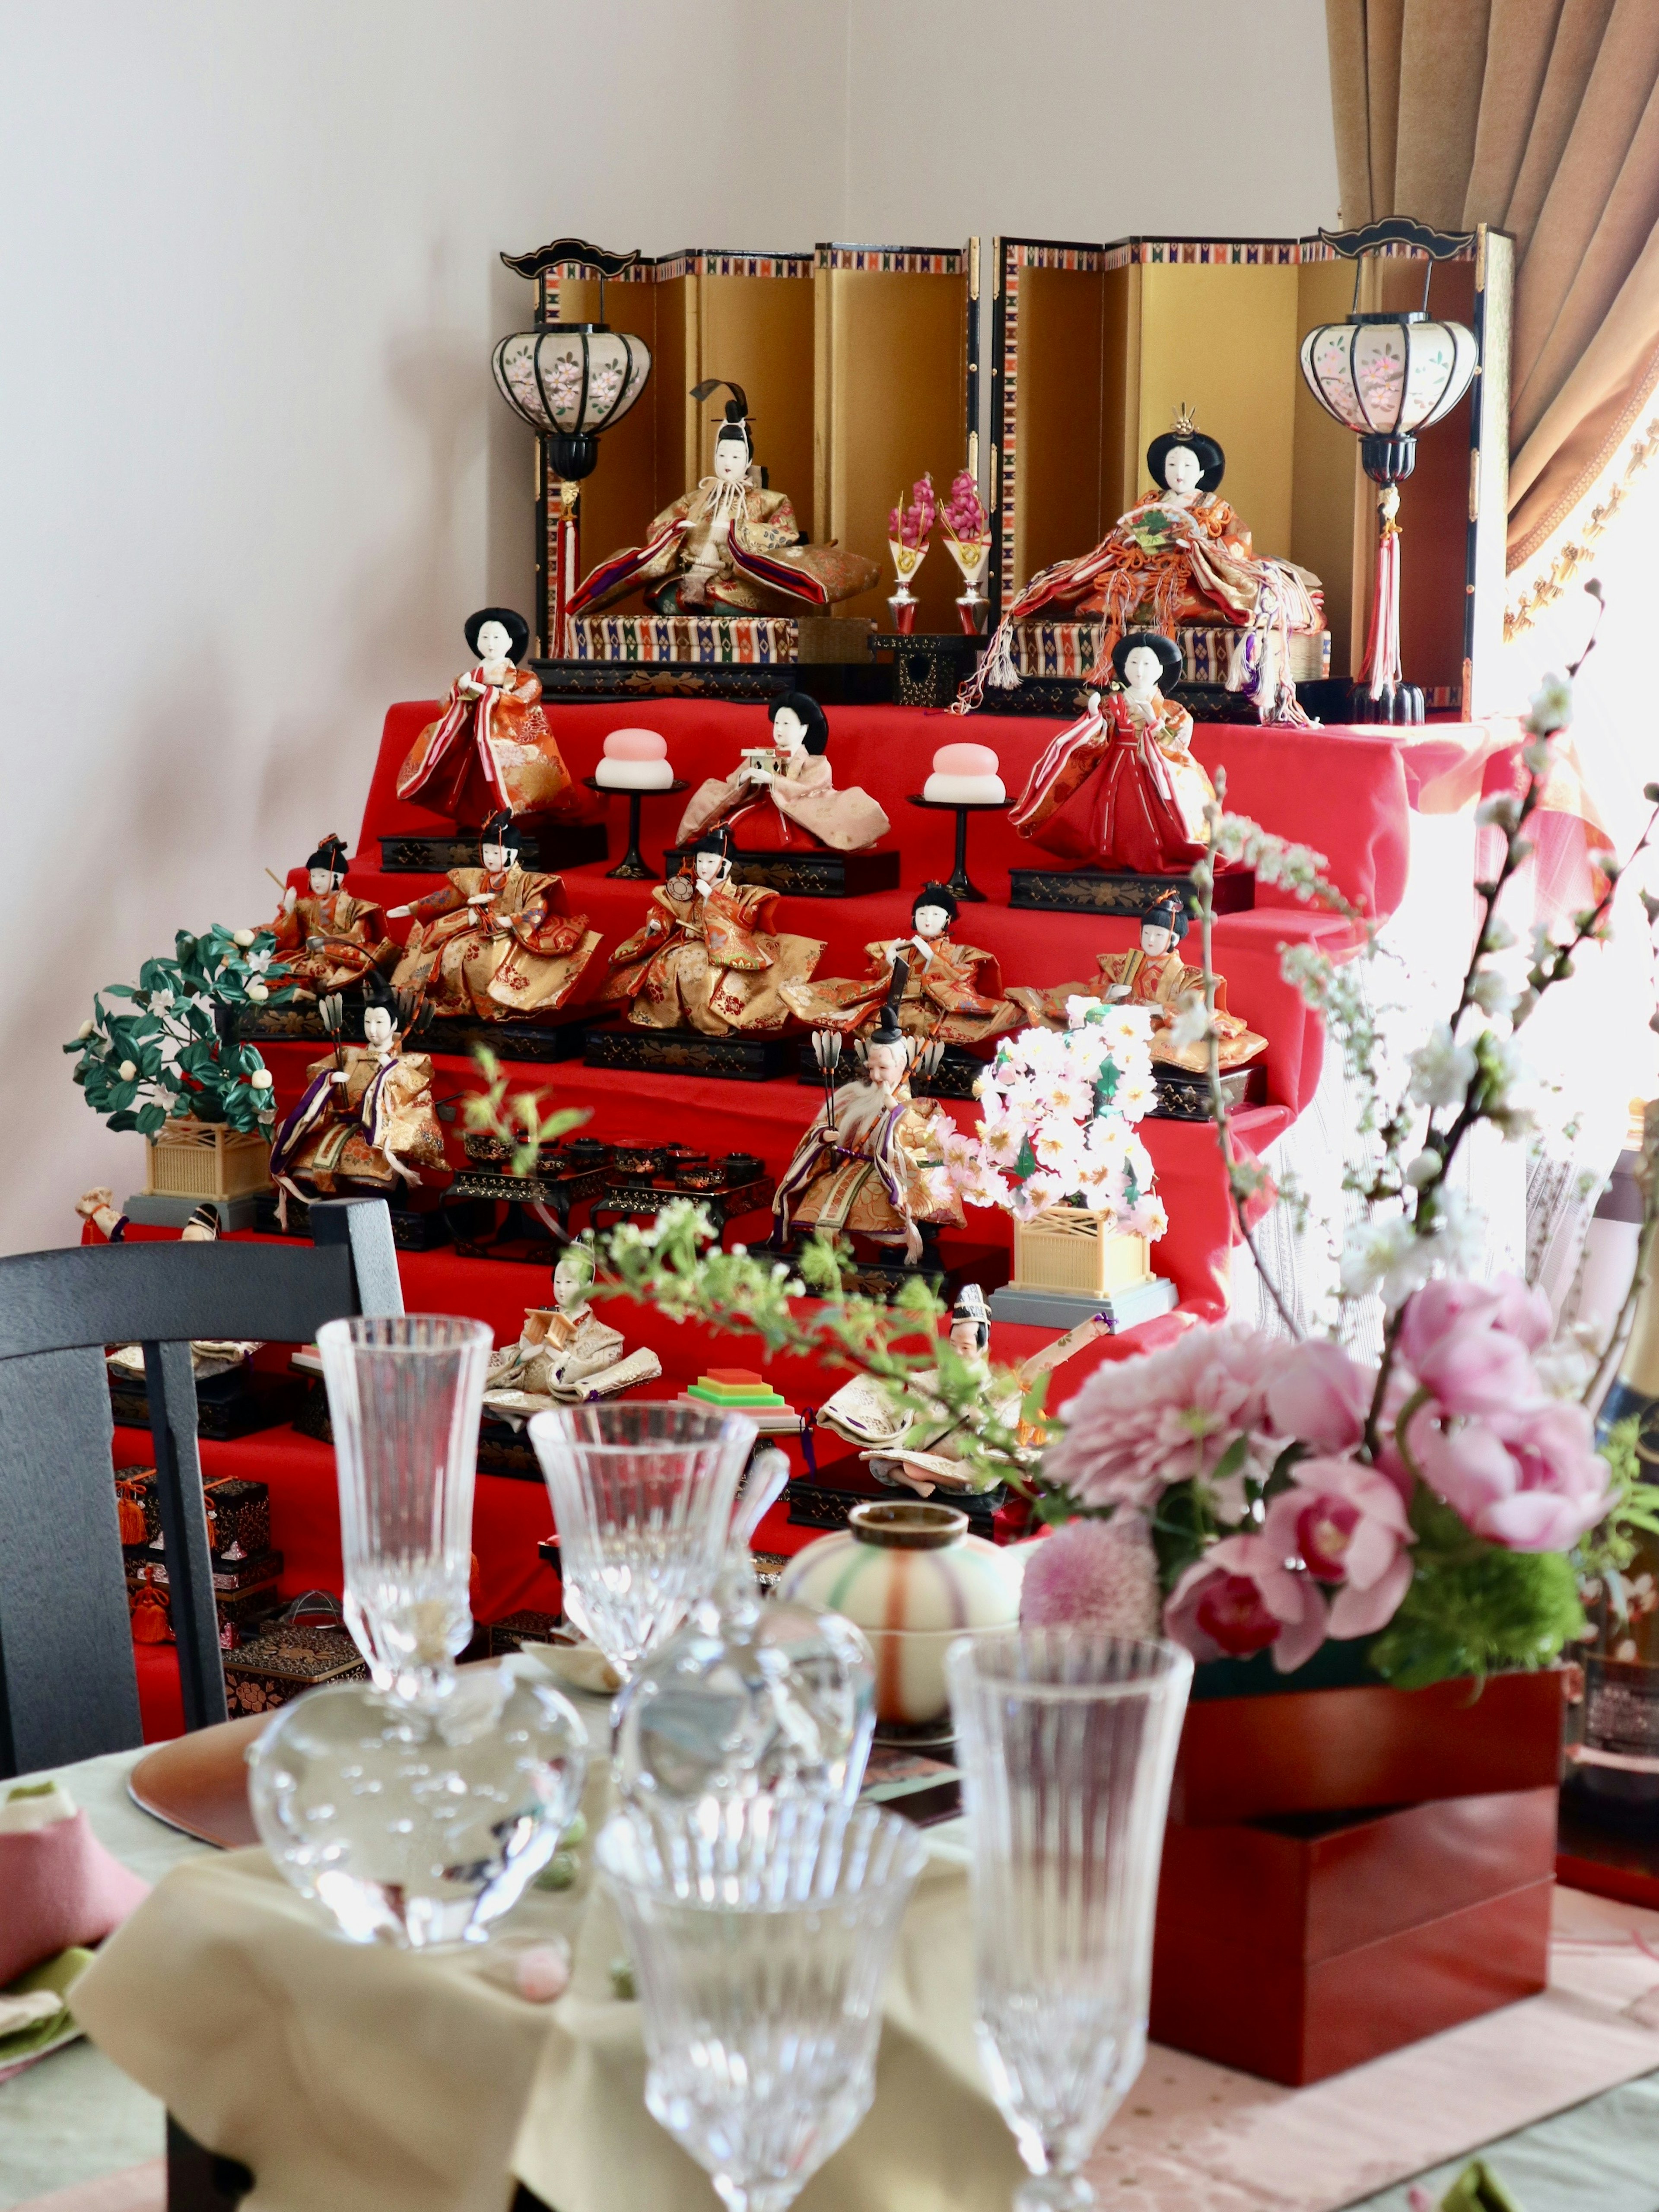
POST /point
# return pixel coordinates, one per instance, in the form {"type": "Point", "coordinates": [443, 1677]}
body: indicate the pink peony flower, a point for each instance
{"type": "Point", "coordinates": [1097, 1575]}
{"type": "Point", "coordinates": [1346, 1523]}
{"type": "Point", "coordinates": [1241, 1598]}
{"type": "Point", "coordinates": [1318, 1392]}
{"type": "Point", "coordinates": [1530, 1480]}
{"type": "Point", "coordinates": [1139, 1425]}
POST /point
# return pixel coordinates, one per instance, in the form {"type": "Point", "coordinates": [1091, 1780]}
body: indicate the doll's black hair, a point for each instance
{"type": "Point", "coordinates": [713, 840]}
{"type": "Point", "coordinates": [331, 853]}
{"type": "Point", "coordinates": [1170, 659]}
{"type": "Point", "coordinates": [970, 1306]}
{"type": "Point", "coordinates": [1212, 461]}
{"type": "Point", "coordinates": [1169, 912]}
{"type": "Point", "coordinates": [501, 829]}
{"type": "Point", "coordinates": [517, 627]}
{"type": "Point", "coordinates": [816, 722]}
{"type": "Point", "coordinates": [934, 895]}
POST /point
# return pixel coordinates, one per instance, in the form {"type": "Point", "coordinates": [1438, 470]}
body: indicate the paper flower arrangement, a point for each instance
{"type": "Point", "coordinates": [912, 527]}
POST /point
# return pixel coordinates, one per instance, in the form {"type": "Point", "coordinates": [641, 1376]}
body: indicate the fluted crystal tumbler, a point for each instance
{"type": "Point", "coordinates": [405, 1395]}
{"type": "Point", "coordinates": [642, 1503]}
{"type": "Point", "coordinates": [760, 1931]}
{"type": "Point", "coordinates": [1067, 1743]}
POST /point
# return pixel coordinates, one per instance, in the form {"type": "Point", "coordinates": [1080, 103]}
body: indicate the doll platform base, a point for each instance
{"type": "Point", "coordinates": [502, 1449]}
{"type": "Point", "coordinates": [733, 1059]}
{"type": "Point", "coordinates": [158, 1209]}
{"type": "Point", "coordinates": [1063, 1310]}
{"type": "Point", "coordinates": [870, 1272]}
{"type": "Point", "coordinates": [824, 1500]}
{"type": "Point", "coordinates": [493, 1215]}
{"type": "Point", "coordinates": [1184, 1098]}
{"type": "Point", "coordinates": [226, 1405]}
{"type": "Point", "coordinates": [644, 1199]}
{"type": "Point", "coordinates": [808, 873]}
{"type": "Point", "coordinates": [954, 1078]}
{"type": "Point", "coordinates": [300, 1023]}
{"type": "Point", "coordinates": [1122, 891]}
{"type": "Point", "coordinates": [421, 1222]}
{"type": "Point", "coordinates": [552, 845]}
{"type": "Point", "coordinates": [562, 1037]}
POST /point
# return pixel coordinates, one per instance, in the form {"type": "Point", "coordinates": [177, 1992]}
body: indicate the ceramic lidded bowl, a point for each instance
{"type": "Point", "coordinates": [909, 1575]}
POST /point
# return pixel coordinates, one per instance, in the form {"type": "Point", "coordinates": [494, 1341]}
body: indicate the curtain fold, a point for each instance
{"type": "Point", "coordinates": [1539, 118]}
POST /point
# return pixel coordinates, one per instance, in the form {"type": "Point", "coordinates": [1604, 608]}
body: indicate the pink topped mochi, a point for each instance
{"type": "Point", "coordinates": [964, 776]}
{"type": "Point", "coordinates": [634, 760]}
{"type": "Point", "coordinates": [645, 744]}
{"type": "Point", "coordinates": [964, 759]}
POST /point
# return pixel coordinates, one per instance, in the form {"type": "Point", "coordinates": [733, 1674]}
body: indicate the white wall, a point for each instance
{"type": "Point", "coordinates": [252, 470]}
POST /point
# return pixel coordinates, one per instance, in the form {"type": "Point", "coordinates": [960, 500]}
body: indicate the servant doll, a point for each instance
{"type": "Point", "coordinates": [366, 1121]}
{"type": "Point", "coordinates": [951, 991]}
{"type": "Point", "coordinates": [494, 943]}
{"type": "Point", "coordinates": [327, 939]}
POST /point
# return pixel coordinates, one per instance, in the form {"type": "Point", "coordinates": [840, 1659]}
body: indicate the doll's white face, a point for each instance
{"type": "Point", "coordinates": [379, 1029]}
{"type": "Point", "coordinates": [1141, 669]}
{"type": "Point", "coordinates": [494, 642]}
{"type": "Point", "coordinates": [710, 867]}
{"type": "Point", "coordinates": [931, 922]}
{"type": "Point", "coordinates": [964, 1336]}
{"type": "Point", "coordinates": [323, 880]}
{"type": "Point", "coordinates": [1182, 469]}
{"type": "Point", "coordinates": [731, 460]}
{"type": "Point", "coordinates": [570, 1281]}
{"type": "Point", "coordinates": [788, 731]}
{"type": "Point", "coordinates": [1156, 937]}
{"type": "Point", "coordinates": [496, 858]}
{"type": "Point", "coordinates": [886, 1065]}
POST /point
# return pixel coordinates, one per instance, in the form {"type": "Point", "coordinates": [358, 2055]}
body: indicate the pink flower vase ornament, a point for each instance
{"type": "Point", "coordinates": [968, 534]}
{"type": "Point", "coordinates": [909, 534]}
{"type": "Point", "coordinates": [1288, 1514]}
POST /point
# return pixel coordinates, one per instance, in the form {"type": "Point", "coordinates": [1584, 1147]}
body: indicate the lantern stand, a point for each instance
{"type": "Point", "coordinates": [568, 381]}
{"type": "Point", "coordinates": [1387, 376]}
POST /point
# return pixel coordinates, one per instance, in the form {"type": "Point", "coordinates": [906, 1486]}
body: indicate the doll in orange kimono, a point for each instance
{"type": "Point", "coordinates": [706, 958]}
{"type": "Point", "coordinates": [490, 751]}
{"type": "Point", "coordinates": [326, 940]}
{"type": "Point", "coordinates": [494, 943]}
{"type": "Point", "coordinates": [951, 991]}
{"type": "Point", "coordinates": [1155, 976]}
{"type": "Point", "coordinates": [782, 798]}
{"type": "Point", "coordinates": [366, 1120]}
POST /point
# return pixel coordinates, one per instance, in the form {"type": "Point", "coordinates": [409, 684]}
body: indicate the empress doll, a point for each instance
{"type": "Point", "coordinates": [952, 992]}
{"type": "Point", "coordinates": [706, 958]}
{"type": "Point", "coordinates": [325, 939]}
{"type": "Point", "coordinates": [493, 943]}
{"type": "Point", "coordinates": [366, 1121]}
{"type": "Point", "coordinates": [729, 546]}
{"type": "Point", "coordinates": [1179, 555]}
{"type": "Point", "coordinates": [1154, 976]}
{"type": "Point", "coordinates": [1105, 793]}
{"type": "Point", "coordinates": [491, 750]}
{"type": "Point", "coordinates": [862, 1166]}
{"type": "Point", "coordinates": [784, 799]}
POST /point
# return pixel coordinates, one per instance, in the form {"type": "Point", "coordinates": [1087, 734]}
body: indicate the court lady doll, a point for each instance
{"type": "Point", "coordinates": [366, 1120]}
{"type": "Point", "coordinates": [327, 939]}
{"type": "Point", "coordinates": [707, 957]}
{"type": "Point", "coordinates": [494, 944]}
{"type": "Point", "coordinates": [492, 750]}
{"type": "Point", "coordinates": [782, 798]}
{"type": "Point", "coordinates": [952, 992]}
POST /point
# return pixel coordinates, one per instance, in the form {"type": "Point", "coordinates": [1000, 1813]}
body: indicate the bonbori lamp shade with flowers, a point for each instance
{"type": "Point", "coordinates": [1388, 375]}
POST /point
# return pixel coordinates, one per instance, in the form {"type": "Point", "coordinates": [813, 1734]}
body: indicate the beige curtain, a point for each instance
{"type": "Point", "coordinates": [1541, 118]}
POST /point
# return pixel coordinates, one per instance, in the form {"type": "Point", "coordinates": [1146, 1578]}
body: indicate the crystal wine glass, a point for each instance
{"type": "Point", "coordinates": [404, 1394]}
{"type": "Point", "coordinates": [642, 1502]}
{"type": "Point", "coordinates": [759, 1930]}
{"type": "Point", "coordinates": [1067, 1744]}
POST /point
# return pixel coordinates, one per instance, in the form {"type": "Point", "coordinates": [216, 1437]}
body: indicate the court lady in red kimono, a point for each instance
{"type": "Point", "coordinates": [1104, 795]}
{"type": "Point", "coordinates": [491, 751]}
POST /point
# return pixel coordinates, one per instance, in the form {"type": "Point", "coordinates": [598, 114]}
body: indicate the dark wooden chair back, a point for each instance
{"type": "Point", "coordinates": [68, 1687]}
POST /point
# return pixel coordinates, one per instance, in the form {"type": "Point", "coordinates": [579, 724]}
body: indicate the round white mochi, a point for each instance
{"type": "Point", "coordinates": [634, 760]}
{"type": "Point", "coordinates": [964, 776]}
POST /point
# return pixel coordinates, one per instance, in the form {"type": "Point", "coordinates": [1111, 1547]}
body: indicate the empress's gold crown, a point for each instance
{"type": "Point", "coordinates": [1184, 426]}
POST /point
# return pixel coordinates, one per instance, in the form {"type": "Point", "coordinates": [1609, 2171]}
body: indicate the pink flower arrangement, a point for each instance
{"type": "Point", "coordinates": [912, 527]}
{"type": "Point", "coordinates": [963, 513]}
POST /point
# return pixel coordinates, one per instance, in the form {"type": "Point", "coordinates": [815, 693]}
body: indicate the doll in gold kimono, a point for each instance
{"type": "Point", "coordinates": [706, 958]}
{"type": "Point", "coordinates": [730, 546]}
{"type": "Point", "coordinates": [781, 797]}
{"type": "Point", "coordinates": [366, 1120]}
{"type": "Point", "coordinates": [494, 944]}
{"type": "Point", "coordinates": [491, 750]}
{"type": "Point", "coordinates": [1179, 555]}
{"type": "Point", "coordinates": [565, 1354]}
{"type": "Point", "coordinates": [326, 940]}
{"type": "Point", "coordinates": [863, 1166]}
{"type": "Point", "coordinates": [951, 991]}
{"type": "Point", "coordinates": [1155, 976]}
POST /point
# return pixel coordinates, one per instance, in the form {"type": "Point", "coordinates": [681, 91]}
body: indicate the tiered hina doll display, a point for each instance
{"type": "Point", "coordinates": [327, 939]}
{"type": "Point", "coordinates": [730, 546]}
{"type": "Point", "coordinates": [366, 1121]}
{"type": "Point", "coordinates": [707, 957]}
{"type": "Point", "coordinates": [1120, 789]}
{"type": "Point", "coordinates": [491, 750]}
{"type": "Point", "coordinates": [951, 991]}
{"type": "Point", "coordinates": [1180, 556]}
{"type": "Point", "coordinates": [1155, 976]}
{"type": "Point", "coordinates": [494, 943]}
{"type": "Point", "coordinates": [565, 1354]}
{"type": "Point", "coordinates": [781, 797]}
{"type": "Point", "coordinates": [862, 1167]}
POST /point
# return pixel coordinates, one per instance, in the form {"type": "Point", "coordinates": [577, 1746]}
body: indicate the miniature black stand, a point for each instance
{"type": "Point", "coordinates": [946, 1268]}
{"type": "Point", "coordinates": [481, 1188]}
{"type": "Point", "coordinates": [825, 1498]}
{"type": "Point", "coordinates": [559, 1037]}
{"type": "Point", "coordinates": [631, 867]}
{"type": "Point", "coordinates": [300, 1022]}
{"type": "Point", "coordinates": [555, 845]}
{"type": "Point", "coordinates": [1123, 891]}
{"type": "Point", "coordinates": [734, 1058]}
{"type": "Point", "coordinates": [421, 1221]}
{"type": "Point", "coordinates": [957, 884]}
{"type": "Point", "coordinates": [1186, 1097]}
{"type": "Point", "coordinates": [237, 1404]}
{"type": "Point", "coordinates": [647, 1198]}
{"type": "Point", "coordinates": [814, 872]}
